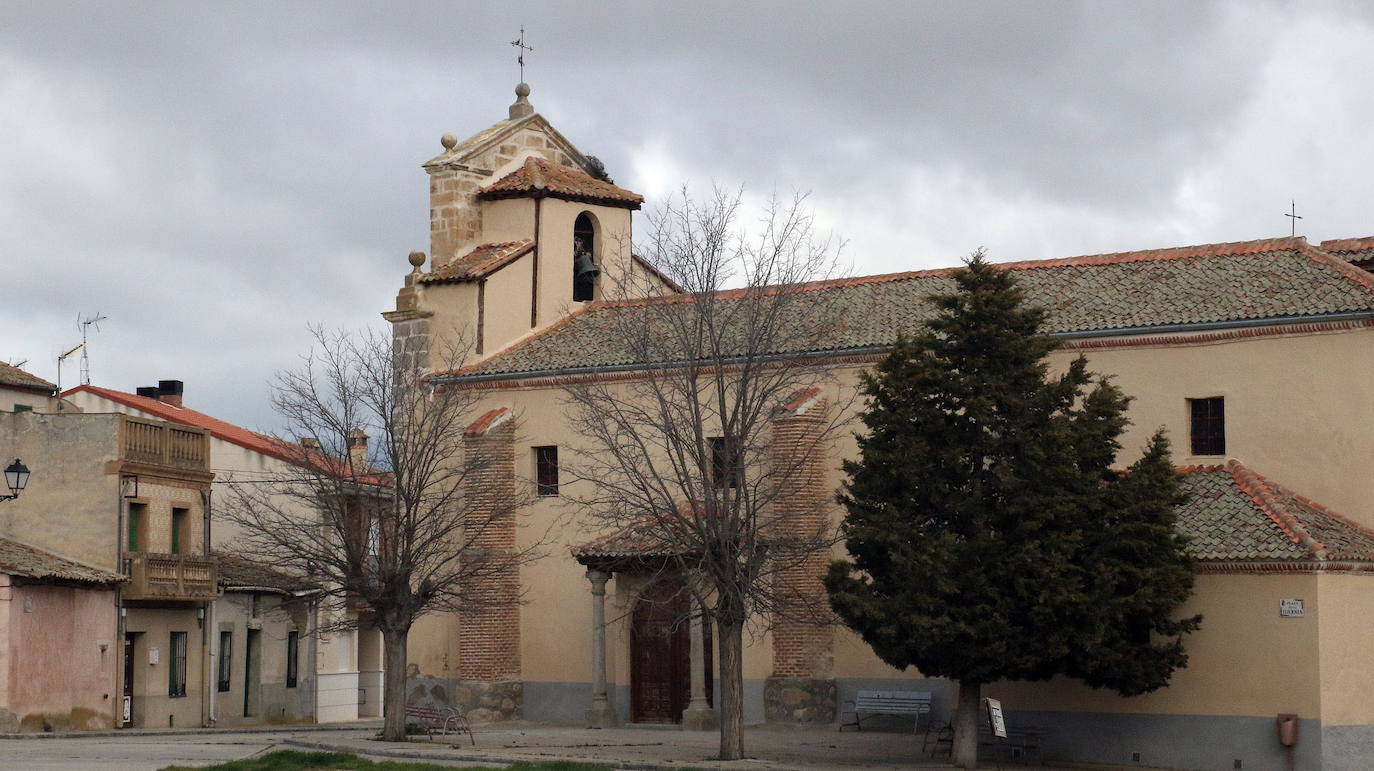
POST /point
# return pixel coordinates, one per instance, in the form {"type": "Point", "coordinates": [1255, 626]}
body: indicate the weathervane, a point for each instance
{"type": "Point", "coordinates": [519, 43]}
{"type": "Point", "coordinates": [1293, 217]}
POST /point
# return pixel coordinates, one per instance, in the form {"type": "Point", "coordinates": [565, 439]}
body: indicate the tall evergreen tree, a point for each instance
{"type": "Point", "coordinates": [990, 538]}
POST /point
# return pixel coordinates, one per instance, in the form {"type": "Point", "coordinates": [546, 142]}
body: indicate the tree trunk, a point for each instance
{"type": "Point", "coordinates": [394, 692]}
{"type": "Point", "coordinates": [731, 689]}
{"type": "Point", "coordinates": [964, 752]}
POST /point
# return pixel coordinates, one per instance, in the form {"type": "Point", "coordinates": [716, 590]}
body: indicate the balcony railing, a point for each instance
{"type": "Point", "coordinates": [172, 577]}
{"type": "Point", "coordinates": [166, 444]}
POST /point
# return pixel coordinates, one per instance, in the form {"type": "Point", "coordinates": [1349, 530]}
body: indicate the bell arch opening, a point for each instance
{"type": "Point", "coordinates": [586, 267]}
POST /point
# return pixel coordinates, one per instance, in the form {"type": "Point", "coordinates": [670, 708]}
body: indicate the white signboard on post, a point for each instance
{"type": "Point", "coordinates": [995, 721]}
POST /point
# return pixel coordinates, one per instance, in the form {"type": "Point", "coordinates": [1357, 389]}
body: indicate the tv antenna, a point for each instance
{"type": "Point", "coordinates": [61, 357]}
{"type": "Point", "coordinates": [93, 320]}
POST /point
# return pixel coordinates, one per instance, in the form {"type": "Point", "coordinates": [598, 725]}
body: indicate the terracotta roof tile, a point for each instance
{"type": "Point", "coordinates": [1232, 514]}
{"type": "Point", "coordinates": [630, 543]}
{"type": "Point", "coordinates": [539, 177]}
{"type": "Point", "coordinates": [489, 419]}
{"type": "Point", "coordinates": [15, 377]}
{"type": "Point", "coordinates": [1236, 514]}
{"type": "Point", "coordinates": [1351, 249]}
{"type": "Point", "coordinates": [251, 440]}
{"type": "Point", "coordinates": [19, 559]}
{"type": "Point", "coordinates": [1216, 283]}
{"type": "Point", "coordinates": [481, 262]}
{"type": "Point", "coordinates": [238, 571]}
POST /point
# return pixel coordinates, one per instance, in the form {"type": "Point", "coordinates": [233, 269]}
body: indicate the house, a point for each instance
{"type": "Point", "coordinates": [49, 603]}
{"type": "Point", "coordinates": [1254, 355]}
{"type": "Point", "coordinates": [109, 542]}
{"type": "Point", "coordinates": [264, 621]}
{"type": "Point", "coordinates": [21, 391]}
{"type": "Point", "coordinates": [347, 665]}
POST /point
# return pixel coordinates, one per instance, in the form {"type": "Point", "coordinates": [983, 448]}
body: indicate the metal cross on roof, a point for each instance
{"type": "Point", "coordinates": [519, 43]}
{"type": "Point", "coordinates": [1293, 217]}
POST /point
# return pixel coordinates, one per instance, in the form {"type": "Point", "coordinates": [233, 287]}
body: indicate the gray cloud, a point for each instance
{"type": "Point", "coordinates": [215, 176]}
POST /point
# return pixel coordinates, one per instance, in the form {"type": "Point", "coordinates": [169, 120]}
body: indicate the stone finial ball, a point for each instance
{"type": "Point", "coordinates": [522, 90]}
{"type": "Point", "coordinates": [449, 141]}
{"type": "Point", "coordinates": [417, 259]}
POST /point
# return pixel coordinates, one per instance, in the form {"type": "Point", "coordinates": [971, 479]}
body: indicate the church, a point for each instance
{"type": "Point", "coordinates": [1254, 355]}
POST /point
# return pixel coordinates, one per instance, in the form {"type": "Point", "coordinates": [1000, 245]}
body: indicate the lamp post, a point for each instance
{"type": "Point", "coordinates": [16, 479]}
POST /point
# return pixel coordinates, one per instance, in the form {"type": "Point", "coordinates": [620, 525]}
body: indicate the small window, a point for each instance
{"type": "Point", "coordinates": [293, 639]}
{"type": "Point", "coordinates": [176, 670]}
{"type": "Point", "coordinates": [725, 462]}
{"type": "Point", "coordinates": [226, 660]}
{"type": "Point", "coordinates": [1208, 425]}
{"type": "Point", "coordinates": [138, 512]}
{"type": "Point", "coordinates": [178, 529]}
{"type": "Point", "coordinates": [546, 470]}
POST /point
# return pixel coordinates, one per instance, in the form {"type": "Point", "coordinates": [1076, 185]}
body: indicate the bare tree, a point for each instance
{"type": "Point", "coordinates": [391, 531]}
{"type": "Point", "coordinates": [681, 450]}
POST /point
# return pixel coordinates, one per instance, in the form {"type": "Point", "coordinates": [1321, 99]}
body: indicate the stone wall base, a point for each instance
{"type": "Point", "coordinates": [799, 700]}
{"type": "Point", "coordinates": [482, 702]}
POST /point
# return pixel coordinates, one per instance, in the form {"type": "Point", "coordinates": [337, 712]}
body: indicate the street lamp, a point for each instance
{"type": "Point", "coordinates": [16, 478]}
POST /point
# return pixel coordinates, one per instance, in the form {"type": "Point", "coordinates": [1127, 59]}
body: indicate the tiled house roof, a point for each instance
{"type": "Point", "coordinates": [17, 559]}
{"type": "Point", "coordinates": [1232, 515]}
{"type": "Point", "coordinates": [237, 572]}
{"type": "Point", "coordinates": [15, 377]}
{"type": "Point", "coordinates": [539, 177]}
{"type": "Point", "coordinates": [629, 543]}
{"type": "Point", "coordinates": [229, 432]}
{"type": "Point", "coordinates": [1356, 250]}
{"type": "Point", "coordinates": [1236, 514]}
{"type": "Point", "coordinates": [250, 440]}
{"type": "Point", "coordinates": [482, 261]}
{"type": "Point", "coordinates": [1213, 283]}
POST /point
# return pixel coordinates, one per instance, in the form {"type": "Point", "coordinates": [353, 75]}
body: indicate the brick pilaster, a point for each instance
{"type": "Point", "coordinates": [801, 648]}
{"type": "Point", "coordinates": [489, 625]}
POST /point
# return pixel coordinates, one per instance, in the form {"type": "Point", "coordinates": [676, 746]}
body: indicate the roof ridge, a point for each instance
{"type": "Point", "coordinates": [1356, 244]}
{"type": "Point", "coordinates": [1221, 249]}
{"type": "Point", "coordinates": [1255, 485]}
{"type": "Point", "coordinates": [1322, 257]}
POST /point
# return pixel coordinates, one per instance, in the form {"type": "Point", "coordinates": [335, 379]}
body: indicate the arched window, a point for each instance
{"type": "Point", "coordinates": [585, 267]}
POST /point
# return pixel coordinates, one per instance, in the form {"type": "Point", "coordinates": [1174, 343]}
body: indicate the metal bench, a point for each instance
{"type": "Point", "coordinates": [438, 719]}
{"type": "Point", "coordinates": [872, 703]}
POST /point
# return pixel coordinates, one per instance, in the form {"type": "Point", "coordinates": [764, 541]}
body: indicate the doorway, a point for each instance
{"type": "Point", "coordinates": [660, 655]}
{"type": "Point", "coordinates": [127, 706]}
{"type": "Point", "coordinates": [252, 663]}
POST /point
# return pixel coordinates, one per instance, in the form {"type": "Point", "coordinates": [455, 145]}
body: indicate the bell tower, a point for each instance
{"type": "Point", "coordinates": [524, 230]}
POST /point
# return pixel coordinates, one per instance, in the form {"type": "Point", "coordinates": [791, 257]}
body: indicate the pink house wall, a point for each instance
{"type": "Point", "coordinates": [59, 657]}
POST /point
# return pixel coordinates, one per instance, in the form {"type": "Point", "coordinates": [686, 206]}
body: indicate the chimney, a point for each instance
{"type": "Point", "coordinates": [310, 443]}
{"type": "Point", "coordinates": [357, 450]}
{"type": "Point", "coordinates": [169, 392]}
{"type": "Point", "coordinates": [148, 392]}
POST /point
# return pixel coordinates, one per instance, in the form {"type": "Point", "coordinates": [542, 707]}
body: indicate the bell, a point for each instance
{"type": "Point", "coordinates": [584, 269]}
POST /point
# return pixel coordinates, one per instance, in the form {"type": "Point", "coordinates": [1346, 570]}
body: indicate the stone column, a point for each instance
{"type": "Point", "coordinates": [698, 716]}
{"type": "Point", "coordinates": [599, 714]}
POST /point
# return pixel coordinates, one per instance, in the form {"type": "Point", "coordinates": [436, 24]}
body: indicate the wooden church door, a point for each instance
{"type": "Point", "coordinates": [660, 664]}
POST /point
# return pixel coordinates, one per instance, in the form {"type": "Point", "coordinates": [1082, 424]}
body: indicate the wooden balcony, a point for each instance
{"type": "Point", "coordinates": [170, 577]}
{"type": "Point", "coordinates": [165, 444]}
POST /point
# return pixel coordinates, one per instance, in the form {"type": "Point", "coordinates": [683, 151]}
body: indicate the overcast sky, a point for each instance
{"type": "Point", "coordinates": [215, 176]}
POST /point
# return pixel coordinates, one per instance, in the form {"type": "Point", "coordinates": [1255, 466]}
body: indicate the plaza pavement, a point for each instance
{"type": "Point", "coordinates": [770, 748]}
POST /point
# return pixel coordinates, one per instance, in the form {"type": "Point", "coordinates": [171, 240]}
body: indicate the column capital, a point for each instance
{"type": "Point", "coordinates": [598, 579]}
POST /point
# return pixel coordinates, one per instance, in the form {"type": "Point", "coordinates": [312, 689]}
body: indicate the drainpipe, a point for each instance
{"type": "Point", "coordinates": [118, 643]}
{"type": "Point", "coordinates": [212, 667]}
{"type": "Point", "coordinates": [207, 699]}
{"type": "Point", "coordinates": [313, 624]}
